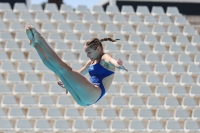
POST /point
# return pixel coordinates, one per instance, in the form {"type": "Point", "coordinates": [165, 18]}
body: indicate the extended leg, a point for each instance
{"type": "Point", "coordinates": [51, 67]}
{"type": "Point", "coordinates": [87, 92]}
{"type": "Point", "coordinates": [51, 55]}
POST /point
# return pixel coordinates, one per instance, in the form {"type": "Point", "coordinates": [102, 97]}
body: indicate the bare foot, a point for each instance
{"type": "Point", "coordinates": [36, 34]}
{"type": "Point", "coordinates": [33, 35]}
{"type": "Point", "coordinates": [30, 36]}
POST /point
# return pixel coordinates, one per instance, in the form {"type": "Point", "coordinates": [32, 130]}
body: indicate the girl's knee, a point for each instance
{"type": "Point", "coordinates": [63, 67]}
{"type": "Point", "coordinates": [82, 104]}
{"type": "Point", "coordinates": [48, 65]}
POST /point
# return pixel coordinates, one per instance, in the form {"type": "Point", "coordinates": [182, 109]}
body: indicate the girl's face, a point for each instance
{"type": "Point", "coordinates": [91, 53]}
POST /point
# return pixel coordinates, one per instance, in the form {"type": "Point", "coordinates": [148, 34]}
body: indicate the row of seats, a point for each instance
{"type": "Point", "coordinates": [90, 18]}
{"type": "Point", "coordinates": [141, 68]}
{"type": "Point", "coordinates": [49, 26]}
{"type": "Point", "coordinates": [71, 113]}
{"type": "Point", "coordinates": [134, 58]}
{"type": "Point", "coordinates": [45, 101]}
{"type": "Point", "coordinates": [52, 8]}
{"type": "Point", "coordinates": [99, 125]}
{"type": "Point", "coordinates": [133, 39]}
{"type": "Point", "coordinates": [134, 79]}
{"type": "Point", "coordinates": [124, 48]}
{"type": "Point", "coordinates": [125, 29]}
{"type": "Point", "coordinates": [124, 90]}
{"type": "Point", "coordinates": [159, 91]}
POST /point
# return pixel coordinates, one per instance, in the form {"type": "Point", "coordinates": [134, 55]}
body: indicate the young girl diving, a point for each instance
{"type": "Point", "coordinates": [100, 66]}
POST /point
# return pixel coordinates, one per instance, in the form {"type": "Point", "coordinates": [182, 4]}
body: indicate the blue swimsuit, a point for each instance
{"type": "Point", "coordinates": [98, 73]}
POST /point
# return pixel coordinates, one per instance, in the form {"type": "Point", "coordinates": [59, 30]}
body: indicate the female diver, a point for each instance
{"type": "Point", "coordinates": [100, 66]}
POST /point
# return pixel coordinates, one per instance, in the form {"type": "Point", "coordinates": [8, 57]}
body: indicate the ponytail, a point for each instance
{"type": "Point", "coordinates": [108, 39]}
{"type": "Point", "coordinates": [94, 42]}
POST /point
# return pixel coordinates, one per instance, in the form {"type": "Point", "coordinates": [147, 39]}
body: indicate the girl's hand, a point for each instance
{"type": "Point", "coordinates": [60, 83]}
{"type": "Point", "coordinates": [120, 65]}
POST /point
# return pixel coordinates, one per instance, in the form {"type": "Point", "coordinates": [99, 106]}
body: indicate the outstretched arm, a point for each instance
{"type": "Point", "coordinates": [111, 61]}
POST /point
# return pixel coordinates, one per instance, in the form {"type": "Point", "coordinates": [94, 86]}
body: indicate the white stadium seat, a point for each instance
{"type": "Point", "coordinates": [95, 28]}
{"type": "Point", "coordinates": [82, 9]}
{"type": "Point", "coordinates": [61, 125]}
{"type": "Point", "coordinates": [172, 11]}
{"type": "Point", "coordinates": [53, 113]}
{"type": "Point", "coordinates": [42, 125]}
{"type": "Point", "coordinates": [34, 8]}
{"type": "Point", "coordinates": [72, 18]}
{"type": "Point", "coordinates": [126, 113]}
{"type": "Point", "coordinates": [157, 10]}
{"type": "Point", "coordinates": [99, 125]}
{"type": "Point", "coordinates": [160, 69]}
{"type": "Point", "coordinates": [194, 92]}
{"type": "Point", "coordinates": [118, 102]}
{"type": "Point", "coordinates": [179, 91]}
{"type": "Point", "coordinates": [135, 39]}
{"type": "Point", "coordinates": [145, 114]}
{"type": "Point", "coordinates": [96, 9]}
{"type": "Point", "coordinates": [154, 125]}
{"type": "Point", "coordinates": [5, 7]}
{"type": "Point", "coordinates": [173, 125]}
{"type": "Point", "coordinates": [112, 9]}
{"type": "Point", "coordinates": [180, 21]}
{"type": "Point", "coordinates": [150, 20]}
{"type": "Point", "coordinates": [195, 114]}
{"type": "Point", "coordinates": [134, 20]}
{"type": "Point", "coordinates": [41, 17]}
{"type": "Point", "coordinates": [142, 10]}
{"type": "Point", "coordinates": [104, 19]}
{"type": "Point", "coordinates": [173, 30]}
{"type": "Point", "coordinates": [64, 9]}
{"type": "Point", "coordinates": [135, 102]}
{"type": "Point", "coordinates": [9, 17]}
{"type": "Point", "coordinates": [158, 30]}
{"type": "Point", "coordinates": [5, 124]}
{"type": "Point", "coordinates": [119, 19]}
{"type": "Point", "coordinates": [89, 18]}
{"type": "Point", "coordinates": [50, 8]}
{"type": "Point", "coordinates": [80, 125]}
{"type": "Point", "coordinates": [23, 125]}
{"type": "Point", "coordinates": [163, 114]}
{"type": "Point", "coordinates": [15, 112]}
{"type": "Point", "coordinates": [127, 10]}
{"type": "Point", "coordinates": [164, 20]}
{"type": "Point", "coordinates": [154, 102]}
{"type": "Point", "coordinates": [162, 91]}
{"type": "Point", "coordinates": [181, 114]}
{"type": "Point", "coordinates": [127, 29]}
{"type": "Point", "coordinates": [57, 18]}
{"type": "Point", "coordinates": [195, 40]}
{"type": "Point", "coordinates": [117, 125]}
{"type": "Point", "coordinates": [190, 125]}
{"type": "Point", "coordinates": [136, 125]}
